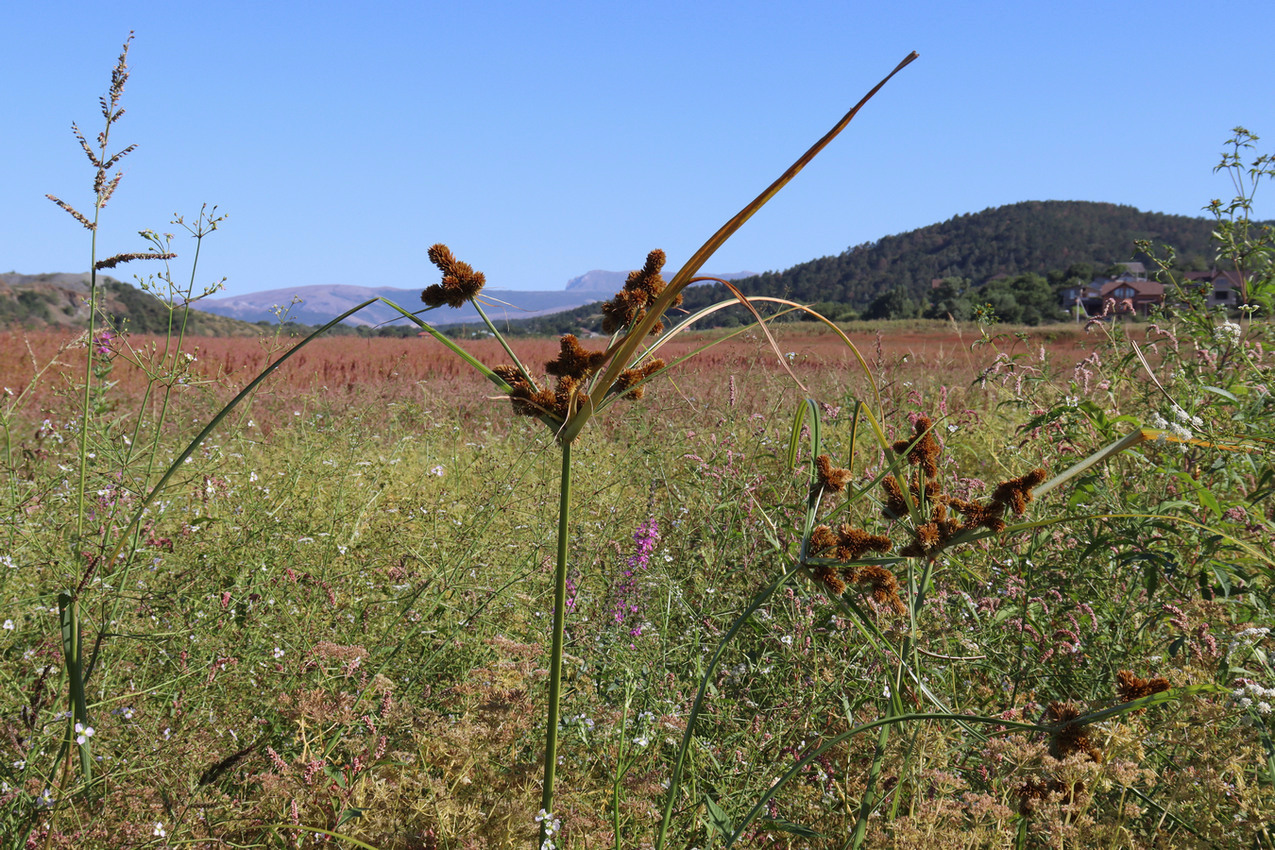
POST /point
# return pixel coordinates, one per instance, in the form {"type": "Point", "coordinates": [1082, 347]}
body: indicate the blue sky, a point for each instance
{"type": "Point", "coordinates": [544, 139]}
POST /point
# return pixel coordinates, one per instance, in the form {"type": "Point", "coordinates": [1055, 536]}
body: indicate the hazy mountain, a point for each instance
{"type": "Point", "coordinates": [609, 283]}
{"type": "Point", "coordinates": [317, 305]}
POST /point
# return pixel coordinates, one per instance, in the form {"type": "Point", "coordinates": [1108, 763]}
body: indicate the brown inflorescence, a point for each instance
{"type": "Point", "coordinates": [574, 360]}
{"type": "Point", "coordinates": [1070, 737]}
{"type": "Point", "coordinates": [829, 477]}
{"type": "Point", "coordinates": [526, 397]}
{"type": "Point", "coordinates": [922, 450]}
{"type": "Point", "coordinates": [1017, 492]}
{"type": "Point", "coordinates": [1129, 687]}
{"type": "Point", "coordinates": [640, 291]}
{"type": "Point", "coordinates": [112, 262]}
{"type": "Point", "coordinates": [1032, 793]}
{"type": "Point", "coordinates": [880, 583]}
{"type": "Point", "coordinates": [629, 379]}
{"type": "Point", "coordinates": [460, 282]}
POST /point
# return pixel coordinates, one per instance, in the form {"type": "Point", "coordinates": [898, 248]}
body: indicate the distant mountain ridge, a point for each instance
{"type": "Point", "coordinates": [317, 305]}
{"type": "Point", "coordinates": [610, 283]}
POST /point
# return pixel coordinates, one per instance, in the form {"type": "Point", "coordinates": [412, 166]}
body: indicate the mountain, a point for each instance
{"type": "Point", "coordinates": [59, 300]}
{"type": "Point", "coordinates": [1032, 236]}
{"type": "Point", "coordinates": [320, 304]}
{"type": "Point", "coordinates": [317, 305]}
{"type": "Point", "coordinates": [609, 283]}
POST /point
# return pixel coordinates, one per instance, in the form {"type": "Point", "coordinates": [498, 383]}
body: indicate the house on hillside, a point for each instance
{"type": "Point", "coordinates": [1223, 289]}
{"type": "Point", "coordinates": [1129, 287]}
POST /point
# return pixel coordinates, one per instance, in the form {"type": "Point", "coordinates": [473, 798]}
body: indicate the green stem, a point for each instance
{"type": "Point", "coordinates": [559, 629]}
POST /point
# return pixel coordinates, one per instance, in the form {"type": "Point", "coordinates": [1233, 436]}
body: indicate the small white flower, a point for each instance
{"type": "Point", "coordinates": [278, 653]}
{"type": "Point", "coordinates": [437, 470]}
{"type": "Point", "coordinates": [786, 640]}
{"type": "Point", "coordinates": [8, 625]}
{"type": "Point", "coordinates": [83, 733]}
{"type": "Point", "coordinates": [158, 831]}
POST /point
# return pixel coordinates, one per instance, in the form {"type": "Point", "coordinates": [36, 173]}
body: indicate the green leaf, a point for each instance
{"type": "Point", "coordinates": [1223, 393]}
{"type": "Point", "coordinates": [717, 818]}
{"type": "Point", "coordinates": [348, 815]}
{"type": "Point", "coordinates": [1209, 501]}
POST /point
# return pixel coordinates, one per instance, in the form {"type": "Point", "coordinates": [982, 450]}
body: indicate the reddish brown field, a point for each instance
{"type": "Point", "coordinates": [383, 370]}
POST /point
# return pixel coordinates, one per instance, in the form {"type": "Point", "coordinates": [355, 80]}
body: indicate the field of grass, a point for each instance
{"type": "Point", "coordinates": [892, 585]}
{"type": "Point", "coordinates": [334, 621]}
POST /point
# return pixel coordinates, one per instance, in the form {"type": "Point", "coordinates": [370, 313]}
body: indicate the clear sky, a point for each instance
{"type": "Point", "coordinates": [544, 139]}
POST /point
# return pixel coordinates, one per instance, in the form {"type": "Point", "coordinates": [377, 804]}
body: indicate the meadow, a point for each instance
{"type": "Point", "coordinates": [336, 616]}
{"type": "Point", "coordinates": [793, 585]}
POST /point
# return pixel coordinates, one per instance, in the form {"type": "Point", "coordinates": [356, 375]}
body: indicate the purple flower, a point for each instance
{"type": "Point", "coordinates": [626, 593]}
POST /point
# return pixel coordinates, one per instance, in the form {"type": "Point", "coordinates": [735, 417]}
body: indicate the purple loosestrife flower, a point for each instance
{"type": "Point", "coordinates": [626, 592]}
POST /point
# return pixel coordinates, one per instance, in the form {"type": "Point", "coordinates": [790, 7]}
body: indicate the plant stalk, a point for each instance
{"type": "Point", "coordinates": [559, 630]}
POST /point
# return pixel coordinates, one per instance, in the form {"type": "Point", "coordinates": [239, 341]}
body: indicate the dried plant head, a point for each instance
{"type": "Point", "coordinates": [628, 380]}
{"type": "Point", "coordinates": [104, 183]}
{"type": "Point", "coordinates": [1129, 687]}
{"type": "Point", "coordinates": [853, 543]}
{"type": "Point", "coordinates": [922, 450]}
{"type": "Point", "coordinates": [526, 398]}
{"type": "Point", "coordinates": [1017, 492]}
{"type": "Point", "coordinates": [460, 282]}
{"type": "Point", "coordinates": [879, 583]}
{"type": "Point", "coordinates": [1033, 792]}
{"type": "Point", "coordinates": [640, 290]}
{"type": "Point", "coordinates": [112, 262]}
{"type": "Point", "coordinates": [829, 578]}
{"type": "Point", "coordinates": [1071, 737]}
{"type": "Point", "coordinates": [574, 360]}
{"type": "Point", "coordinates": [829, 477]}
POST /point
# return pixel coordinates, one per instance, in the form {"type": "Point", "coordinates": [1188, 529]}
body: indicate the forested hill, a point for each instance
{"type": "Point", "coordinates": [1032, 236]}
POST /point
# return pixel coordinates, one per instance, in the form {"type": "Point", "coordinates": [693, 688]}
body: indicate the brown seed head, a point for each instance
{"type": "Point", "coordinates": [827, 576]}
{"type": "Point", "coordinates": [881, 584]}
{"type": "Point", "coordinates": [853, 543]}
{"type": "Point", "coordinates": [460, 282]}
{"type": "Point", "coordinates": [1129, 687]}
{"type": "Point", "coordinates": [1017, 492]}
{"type": "Point", "coordinates": [632, 377]}
{"type": "Point", "coordinates": [1070, 737]}
{"type": "Point", "coordinates": [822, 539]}
{"type": "Point", "coordinates": [829, 477]}
{"type": "Point", "coordinates": [924, 451]}
{"type": "Point", "coordinates": [574, 360]}
{"type": "Point", "coordinates": [640, 290]}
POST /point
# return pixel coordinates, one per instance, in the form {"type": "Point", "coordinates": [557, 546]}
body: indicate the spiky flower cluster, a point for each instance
{"type": "Point", "coordinates": [926, 492]}
{"type": "Point", "coordinates": [640, 291]}
{"type": "Point", "coordinates": [460, 282]}
{"type": "Point", "coordinates": [573, 366]}
{"type": "Point", "coordinates": [848, 544]}
{"type": "Point", "coordinates": [1070, 737]}
{"type": "Point", "coordinates": [1129, 687]}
